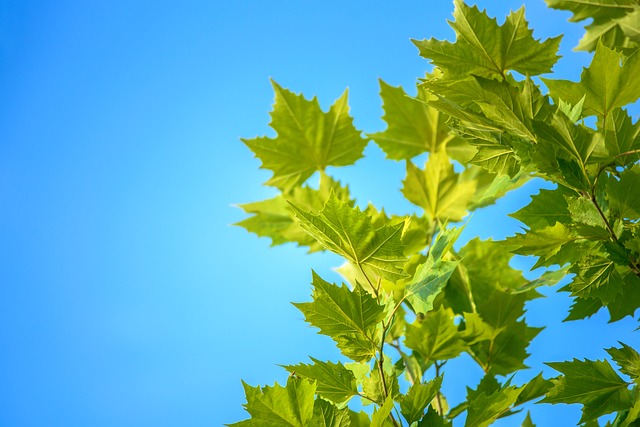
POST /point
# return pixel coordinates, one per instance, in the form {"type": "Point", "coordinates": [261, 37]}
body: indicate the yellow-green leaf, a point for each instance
{"type": "Point", "coordinates": [308, 139]}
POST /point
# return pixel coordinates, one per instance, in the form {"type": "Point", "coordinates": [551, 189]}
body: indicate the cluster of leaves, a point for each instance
{"type": "Point", "coordinates": [411, 302]}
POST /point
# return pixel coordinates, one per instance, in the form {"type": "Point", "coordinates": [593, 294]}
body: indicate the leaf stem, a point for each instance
{"type": "Point", "coordinates": [633, 264]}
{"type": "Point", "coordinates": [373, 288]}
{"type": "Point", "coordinates": [380, 359]}
{"type": "Point", "coordinates": [396, 345]}
{"type": "Point", "coordinates": [471, 353]}
{"type": "Point", "coordinates": [439, 366]}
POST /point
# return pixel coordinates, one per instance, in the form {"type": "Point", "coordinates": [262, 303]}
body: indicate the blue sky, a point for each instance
{"type": "Point", "coordinates": [126, 298]}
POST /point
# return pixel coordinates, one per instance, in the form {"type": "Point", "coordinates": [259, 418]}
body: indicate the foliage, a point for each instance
{"type": "Point", "coordinates": [410, 301]}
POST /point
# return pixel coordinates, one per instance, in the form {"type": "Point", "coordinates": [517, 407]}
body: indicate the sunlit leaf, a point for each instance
{"type": "Point", "coordinates": [308, 139]}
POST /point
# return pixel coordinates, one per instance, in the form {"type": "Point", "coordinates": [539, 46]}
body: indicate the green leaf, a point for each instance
{"type": "Point", "coordinates": [622, 137]}
{"type": "Point", "coordinates": [279, 406]}
{"type": "Point", "coordinates": [359, 370]}
{"type": "Point", "coordinates": [527, 421]}
{"type": "Point", "coordinates": [433, 419]}
{"type": "Point", "coordinates": [544, 243]}
{"type": "Point", "coordinates": [374, 389]}
{"type": "Point", "coordinates": [613, 21]}
{"type": "Point", "coordinates": [573, 112]}
{"type": "Point", "coordinates": [432, 276]}
{"type": "Point", "coordinates": [611, 81]}
{"type": "Point", "coordinates": [418, 398]}
{"type": "Point", "coordinates": [476, 329]}
{"type": "Point", "coordinates": [506, 349]}
{"type": "Point", "coordinates": [334, 382]}
{"type": "Point", "coordinates": [593, 384]}
{"type": "Point", "coordinates": [308, 139]}
{"type": "Point", "coordinates": [628, 301]}
{"type": "Point", "coordinates": [359, 419]}
{"type": "Point", "coordinates": [574, 142]}
{"type": "Point", "coordinates": [485, 408]}
{"type": "Point", "coordinates": [349, 232]}
{"type": "Point", "coordinates": [487, 277]}
{"type": "Point", "coordinates": [413, 127]}
{"type": "Point", "coordinates": [497, 158]}
{"type": "Point", "coordinates": [548, 278]}
{"type": "Point", "coordinates": [436, 336]}
{"type": "Point", "coordinates": [545, 209]}
{"type": "Point", "coordinates": [583, 308]}
{"type": "Point", "coordinates": [490, 186]}
{"type": "Point", "coordinates": [379, 417]}
{"type": "Point", "coordinates": [628, 360]}
{"type": "Point", "coordinates": [597, 9]}
{"type": "Point", "coordinates": [493, 113]}
{"type": "Point", "coordinates": [274, 218]}
{"type": "Point", "coordinates": [438, 189]}
{"type": "Point", "coordinates": [327, 415]}
{"type": "Point", "coordinates": [484, 48]}
{"type": "Point", "coordinates": [624, 197]}
{"type": "Point", "coordinates": [597, 278]}
{"type": "Point", "coordinates": [350, 318]}
{"type": "Point", "coordinates": [534, 389]}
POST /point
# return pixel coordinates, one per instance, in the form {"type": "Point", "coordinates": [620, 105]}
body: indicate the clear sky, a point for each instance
{"type": "Point", "coordinates": [126, 298]}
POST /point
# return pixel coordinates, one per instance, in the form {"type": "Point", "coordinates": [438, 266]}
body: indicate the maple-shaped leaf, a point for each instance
{"type": "Point", "coordinates": [583, 308]}
{"type": "Point", "coordinates": [327, 415]}
{"type": "Point", "coordinates": [274, 218]}
{"type": "Point", "coordinates": [432, 276]}
{"type": "Point", "coordinates": [484, 408]}
{"type": "Point", "coordinates": [506, 351]}
{"type": "Point", "coordinates": [308, 139]}
{"type": "Point", "coordinates": [573, 141]}
{"type": "Point", "coordinates": [438, 188]}
{"type": "Point", "coordinates": [629, 299]}
{"type": "Point", "coordinates": [545, 244]}
{"type": "Point", "coordinates": [488, 108]}
{"type": "Point", "coordinates": [413, 127]}
{"type": "Point", "coordinates": [597, 277]}
{"type": "Point", "coordinates": [545, 209]}
{"type": "Point", "coordinates": [626, 302]}
{"type": "Point", "coordinates": [436, 336]}
{"type": "Point", "coordinates": [534, 389]}
{"type": "Point", "coordinates": [418, 398]}
{"type": "Point", "coordinates": [349, 317]}
{"type": "Point", "coordinates": [476, 329]}
{"type": "Point", "coordinates": [596, 9]}
{"type": "Point", "coordinates": [278, 406]}
{"type": "Point", "coordinates": [622, 137]}
{"type": "Point", "coordinates": [488, 385]}
{"type": "Point", "coordinates": [483, 279]}
{"type": "Point", "coordinates": [627, 359]}
{"type": "Point", "coordinates": [624, 194]}
{"type": "Point", "coordinates": [611, 81]}
{"type": "Point", "coordinates": [486, 49]}
{"type": "Point", "coordinates": [349, 232]}
{"type": "Point", "coordinates": [613, 21]}
{"type": "Point", "coordinates": [334, 382]}
{"type": "Point", "coordinates": [593, 384]}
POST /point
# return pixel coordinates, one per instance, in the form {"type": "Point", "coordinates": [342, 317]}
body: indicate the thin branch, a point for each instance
{"type": "Point", "coordinates": [380, 359]}
{"type": "Point", "coordinates": [633, 264]}
{"type": "Point", "coordinates": [438, 394]}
